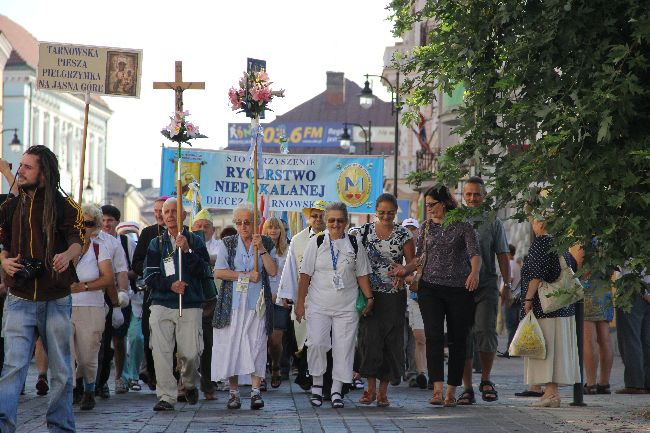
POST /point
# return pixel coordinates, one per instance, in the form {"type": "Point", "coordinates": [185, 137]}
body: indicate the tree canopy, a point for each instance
{"type": "Point", "coordinates": [556, 97]}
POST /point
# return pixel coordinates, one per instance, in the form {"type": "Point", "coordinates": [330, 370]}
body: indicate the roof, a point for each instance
{"type": "Point", "coordinates": [318, 109]}
{"type": "Point", "coordinates": [25, 51]}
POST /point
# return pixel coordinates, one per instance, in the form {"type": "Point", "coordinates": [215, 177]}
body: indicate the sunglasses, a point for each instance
{"type": "Point", "coordinates": [317, 216]}
{"type": "Point", "coordinates": [431, 204]}
{"type": "Point", "coordinates": [89, 224]}
{"type": "Point", "coordinates": [336, 220]}
{"type": "Point", "coordinates": [244, 222]}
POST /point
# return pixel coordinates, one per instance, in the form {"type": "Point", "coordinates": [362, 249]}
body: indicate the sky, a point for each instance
{"type": "Point", "coordinates": [299, 39]}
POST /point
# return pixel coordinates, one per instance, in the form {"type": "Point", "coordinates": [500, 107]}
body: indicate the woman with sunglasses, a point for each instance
{"type": "Point", "coordinates": [244, 312]}
{"type": "Point", "coordinates": [381, 335]}
{"type": "Point", "coordinates": [95, 272]}
{"type": "Point", "coordinates": [332, 272]}
{"type": "Point", "coordinates": [449, 276]}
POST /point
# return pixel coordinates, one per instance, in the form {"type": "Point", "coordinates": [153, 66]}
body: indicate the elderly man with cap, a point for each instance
{"type": "Point", "coordinates": [148, 233]}
{"type": "Point", "coordinates": [288, 290]}
{"type": "Point", "coordinates": [203, 223]}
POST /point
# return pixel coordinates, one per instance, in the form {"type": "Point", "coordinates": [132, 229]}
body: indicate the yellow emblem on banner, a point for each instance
{"type": "Point", "coordinates": [353, 185]}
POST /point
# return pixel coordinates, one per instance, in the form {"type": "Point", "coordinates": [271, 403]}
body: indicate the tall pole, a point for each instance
{"type": "Point", "coordinates": [83, 148]}
{"type": "Point", "coordinates": [256, 124]}
{"type": "Point", "coordinates": [396, 148]}
{"type": "Point", "coordinates": [369, 138]}
{"type": "Point", "coordinates": [179, 222]}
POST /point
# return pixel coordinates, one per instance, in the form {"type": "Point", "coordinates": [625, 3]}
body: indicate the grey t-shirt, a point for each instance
{"type": "Point", "coordinates": [492, 241]}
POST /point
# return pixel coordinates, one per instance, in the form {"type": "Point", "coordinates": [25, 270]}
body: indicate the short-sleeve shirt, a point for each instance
{"type": "Point", "coordinates": [492, 241]}
{"type": "Point", "coordinates": [318, 264]}
{"type": "Point", "coordinates": [88, 270]}
{"type": "Point", "coordinates": [115, 250]}
{"type": "Point", "coordinates": [544, 264]}
{"type": "Point", "coordinates": [382, 254]}
{"type": "Point", "coordinates": [275, 281]}
{"type": "Point", "coordinates": [244, 260]}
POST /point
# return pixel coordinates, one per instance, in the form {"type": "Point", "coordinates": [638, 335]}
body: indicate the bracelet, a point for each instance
{"type": "Point", "coordinates": [370, 298]}
{"type": "Point", "coordinates": [528, 300]}
{"type": "Point", "coordinates": [261, 254]}
{"type": "Point", "coordinates": [86, 286]}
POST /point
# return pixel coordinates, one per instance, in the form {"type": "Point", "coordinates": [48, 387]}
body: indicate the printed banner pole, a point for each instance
{"type": "Point", "coordinates": [83, 148]}
{"type": "Point", "coordinates": [255, 121]}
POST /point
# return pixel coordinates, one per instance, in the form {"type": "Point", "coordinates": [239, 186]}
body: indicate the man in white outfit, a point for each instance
{"type": "Point", "coordinates": [288, 291]}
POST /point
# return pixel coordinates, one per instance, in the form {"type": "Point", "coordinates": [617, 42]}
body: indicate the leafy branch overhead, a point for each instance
{"type": "Point", "coordinates": [556, 95]}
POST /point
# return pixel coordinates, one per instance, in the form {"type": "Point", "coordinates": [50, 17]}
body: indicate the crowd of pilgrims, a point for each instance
{"type": "Point", "coordinates": [331, 308]}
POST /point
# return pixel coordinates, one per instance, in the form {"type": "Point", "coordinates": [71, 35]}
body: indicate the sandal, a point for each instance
{"type": "Point", "coordinates": [134, 385]}
{"type": "Point", "coordinates": [367, 397]}
{"type": "Point", "coordinates": [263, 387]}
{"type": "Point", "coordinates": [467, 397]}
{"type": "Point", "coordinates": [276, 378]}
{"type": "Point", "coordinates": [357, 383]}
{"type": "Point", "coordinates": [436, 399]}
{"type": "Point", "coordinates": [450, 402]}
{"type": "Point", "coordinates": [337, 402]}
{"type": "Point", "coordinates": [316, 400]}
{"type": "Point", "coordinates": [382, 400]}
{"type": "Point", "coordinates": [603, 389]}
{"type": "Point", "coordinates": [488, 394]}
{"type": "Point", "coordinates": [590, 389]}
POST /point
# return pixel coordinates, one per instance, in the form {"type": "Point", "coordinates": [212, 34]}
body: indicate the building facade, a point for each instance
{"type": "Point", "coordinates": [52, 119]}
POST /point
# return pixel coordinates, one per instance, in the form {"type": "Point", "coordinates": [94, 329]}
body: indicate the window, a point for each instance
{"type": "Point", "coordinates": [36, 118]}
{"type": "Point", "coordinates": [46, 129]}
{"type": "Point", "coordinates": [56, 137]}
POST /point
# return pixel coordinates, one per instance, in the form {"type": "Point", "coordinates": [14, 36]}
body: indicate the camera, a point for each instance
{"type": "Point", "coordinates": [32, 269]}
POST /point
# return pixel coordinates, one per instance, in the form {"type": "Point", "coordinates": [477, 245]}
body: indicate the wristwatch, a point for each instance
{"type": "Point", "coordinates": [86, 286]}
{"type": "Point", "coordinates": [189, 251]}
{"type": "Point", "coordinates": [508, 285]}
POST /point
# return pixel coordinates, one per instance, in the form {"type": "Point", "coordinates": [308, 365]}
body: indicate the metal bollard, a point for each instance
{"type": "Point", "coordinates": [578, 388]}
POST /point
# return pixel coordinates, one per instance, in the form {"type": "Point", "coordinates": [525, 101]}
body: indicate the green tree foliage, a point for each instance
{"type": "Point", "coordinates": [556, 96]}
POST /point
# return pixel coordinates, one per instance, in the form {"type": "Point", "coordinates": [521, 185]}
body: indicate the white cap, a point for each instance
{"type": "Point", "coordinates": [411, 222]}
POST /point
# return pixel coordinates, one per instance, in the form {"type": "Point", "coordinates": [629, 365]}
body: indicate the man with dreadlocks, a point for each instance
{"type": "Point", "coordinates": [41, 232]}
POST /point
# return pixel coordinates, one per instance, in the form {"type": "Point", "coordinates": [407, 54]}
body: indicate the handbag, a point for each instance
{"type": "Point", "coordinates": [362, 301]}
{"type": "Point", "coordinates": [564, 291]}
{"type": "Point", "coordinates": [422, 261]}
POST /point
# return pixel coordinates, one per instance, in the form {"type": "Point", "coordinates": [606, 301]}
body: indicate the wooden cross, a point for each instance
{"type": "Point", "coordinates": [178, 86]}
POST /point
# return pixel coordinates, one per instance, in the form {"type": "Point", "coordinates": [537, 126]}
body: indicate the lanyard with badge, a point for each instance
{"type": "Point", "coordinates": [336, 279]}
{"type": "Point", "coordinates": [168, 264]}
{"type": "Point", "coordinates": [243, 280]}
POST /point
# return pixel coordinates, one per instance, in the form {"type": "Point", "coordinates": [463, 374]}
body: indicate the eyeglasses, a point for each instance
{"type": "Point", "coordinates": [389, 213]}
{"type": "Point", "coordinates": [316, 216]}
{"type": "Point", "coordinates": [336, 221]}
{"type": "Point", "coordinates": [240, 222]}
{"type": "Point", "coordinates": [89, 224]}
{"type": "Point", "coordinates": [431, 204]}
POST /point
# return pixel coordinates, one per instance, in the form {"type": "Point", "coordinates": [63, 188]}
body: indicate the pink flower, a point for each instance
{"type": "Point", "coordinates": [173, 128]}
{"type": "Point", "coordinates": [191, 129]}
{"type": "Point", "coordinates": [261, 94]}
{"type": "Point", "coordinates": [262, 76]}
{"type": "Point", "coordinates": [233, 94]}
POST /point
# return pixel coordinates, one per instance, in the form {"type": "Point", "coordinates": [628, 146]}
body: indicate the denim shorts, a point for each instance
{"type": "Point", "coordinates": [281, 317]}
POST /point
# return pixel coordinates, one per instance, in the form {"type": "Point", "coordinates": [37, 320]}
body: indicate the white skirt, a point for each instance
{"type": "Point", "coordinates": [240, 349]}
{"type": "Point", "coordinates": [561, 364]}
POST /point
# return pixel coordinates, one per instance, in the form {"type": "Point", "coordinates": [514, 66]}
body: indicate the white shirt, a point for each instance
{"type": "Point", "coordinates": [88, 270]}
{"type": "Point", "coordinates": [318, 264]}
{"type": "Point", "coordinates": [275, 281]}
{"type": "Point", "coordinates": [290, 271]}
{"type": "Point", "coordinates": [212, 245]}
{"type": "Point", "coordinates": [115, 250]}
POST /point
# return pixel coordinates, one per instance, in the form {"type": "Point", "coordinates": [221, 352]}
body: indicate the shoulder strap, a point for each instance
{"type": "Point", "coordinates": [364, 237]}
{"type": "Point", "coordinates": [96, 249]}
{"type": "Point", "coordinates": [355, 245]}
{"type": "Point", "coordinates": [125, 246]}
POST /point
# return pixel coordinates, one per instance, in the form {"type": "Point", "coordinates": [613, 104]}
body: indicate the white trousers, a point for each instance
{"type": "Point", "coordinates": [335, 330]}
{"type": "Point", "coordinates": [186, 332]}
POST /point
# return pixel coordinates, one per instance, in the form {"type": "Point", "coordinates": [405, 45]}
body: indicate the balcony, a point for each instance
{"type": "Point", "coordinates": [426, 161]}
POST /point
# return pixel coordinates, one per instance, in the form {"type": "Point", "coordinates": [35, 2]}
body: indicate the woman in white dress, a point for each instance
{"type": "Point", "coordinates": [95, 272]}
{"type": "Point", "coordinates": [243, 316]}
{"type": "Point", "coordinates": [332, 271]}
{"type": "Point", "coordinates": [274, 229]}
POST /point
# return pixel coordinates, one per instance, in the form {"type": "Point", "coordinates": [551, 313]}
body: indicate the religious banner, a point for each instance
{"type": "Point", "coordinates": [89, 69]}
{"type": "Point", "coordinates": [304, 134]}
{"type": "Point", "coordinates": [290, 182]}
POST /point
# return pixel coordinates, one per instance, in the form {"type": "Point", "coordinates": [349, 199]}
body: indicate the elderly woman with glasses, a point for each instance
{"type": "Point", "coordinates": [243, 317]}
{"type": "Point", "coordinates": [333, 268]}
{"type": "Point", "coordinates": [381, 335]}
{"type": "Point", "coordinates": [95, 273]}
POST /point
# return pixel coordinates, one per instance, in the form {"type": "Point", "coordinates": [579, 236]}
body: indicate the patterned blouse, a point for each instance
{"type": "Point", "coordinates": [544, 264]}
{"type": "Point", "coordinates": [449, 250]}
{"type": "Point", "coordinates": [382, 254]}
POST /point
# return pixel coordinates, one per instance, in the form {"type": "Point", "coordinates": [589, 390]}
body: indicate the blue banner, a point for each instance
{"type": "Point", "coordinates": [303, 134]}
{"type": "Point", "coordinates": [289, 182]}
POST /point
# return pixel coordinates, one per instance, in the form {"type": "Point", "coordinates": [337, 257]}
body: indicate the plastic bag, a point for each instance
{"type": "Point", "coordinates": [529, 339]}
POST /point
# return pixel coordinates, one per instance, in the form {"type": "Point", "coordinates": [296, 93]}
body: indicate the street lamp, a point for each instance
{"type": "Point", "coordinates": [367, 135]}
{"type": "Point", "coordinates": [15, 142]}
{"type": "Point", "coordinates": [366, 99]}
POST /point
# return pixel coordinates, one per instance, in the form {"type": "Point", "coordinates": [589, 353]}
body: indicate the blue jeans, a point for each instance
{"type": "Point", "coordinates": [634, 343]}
{"type": "Point", "coordinates": [50, 320]}
{"type": "Point", "coordinates": [134, 349]}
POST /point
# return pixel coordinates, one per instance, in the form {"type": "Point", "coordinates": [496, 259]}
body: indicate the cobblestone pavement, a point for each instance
{"type": "Point", "coordinates": [288, 410]}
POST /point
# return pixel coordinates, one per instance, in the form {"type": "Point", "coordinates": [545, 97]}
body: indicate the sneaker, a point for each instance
{"type": "Point", "coordinates": [102, 391]}
{"type": "Point", "coordinates": [234, 402]}
{"type": "Point", "coordinates": [121, 386]}
{"type": "Point", "coordinates": [162, 406]}
{"type": "Point", "coordinates": [192, 396]}
{"type": "Point", "coordinates": [42, 387]}
{"type": "Point", "coordinates": [88, 400]}
{"type": "Point", "coordinates": [257, 402]}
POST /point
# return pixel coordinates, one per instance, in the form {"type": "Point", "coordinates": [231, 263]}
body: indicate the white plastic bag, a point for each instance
{"type": "Point", "coordinates": [529, 339]}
